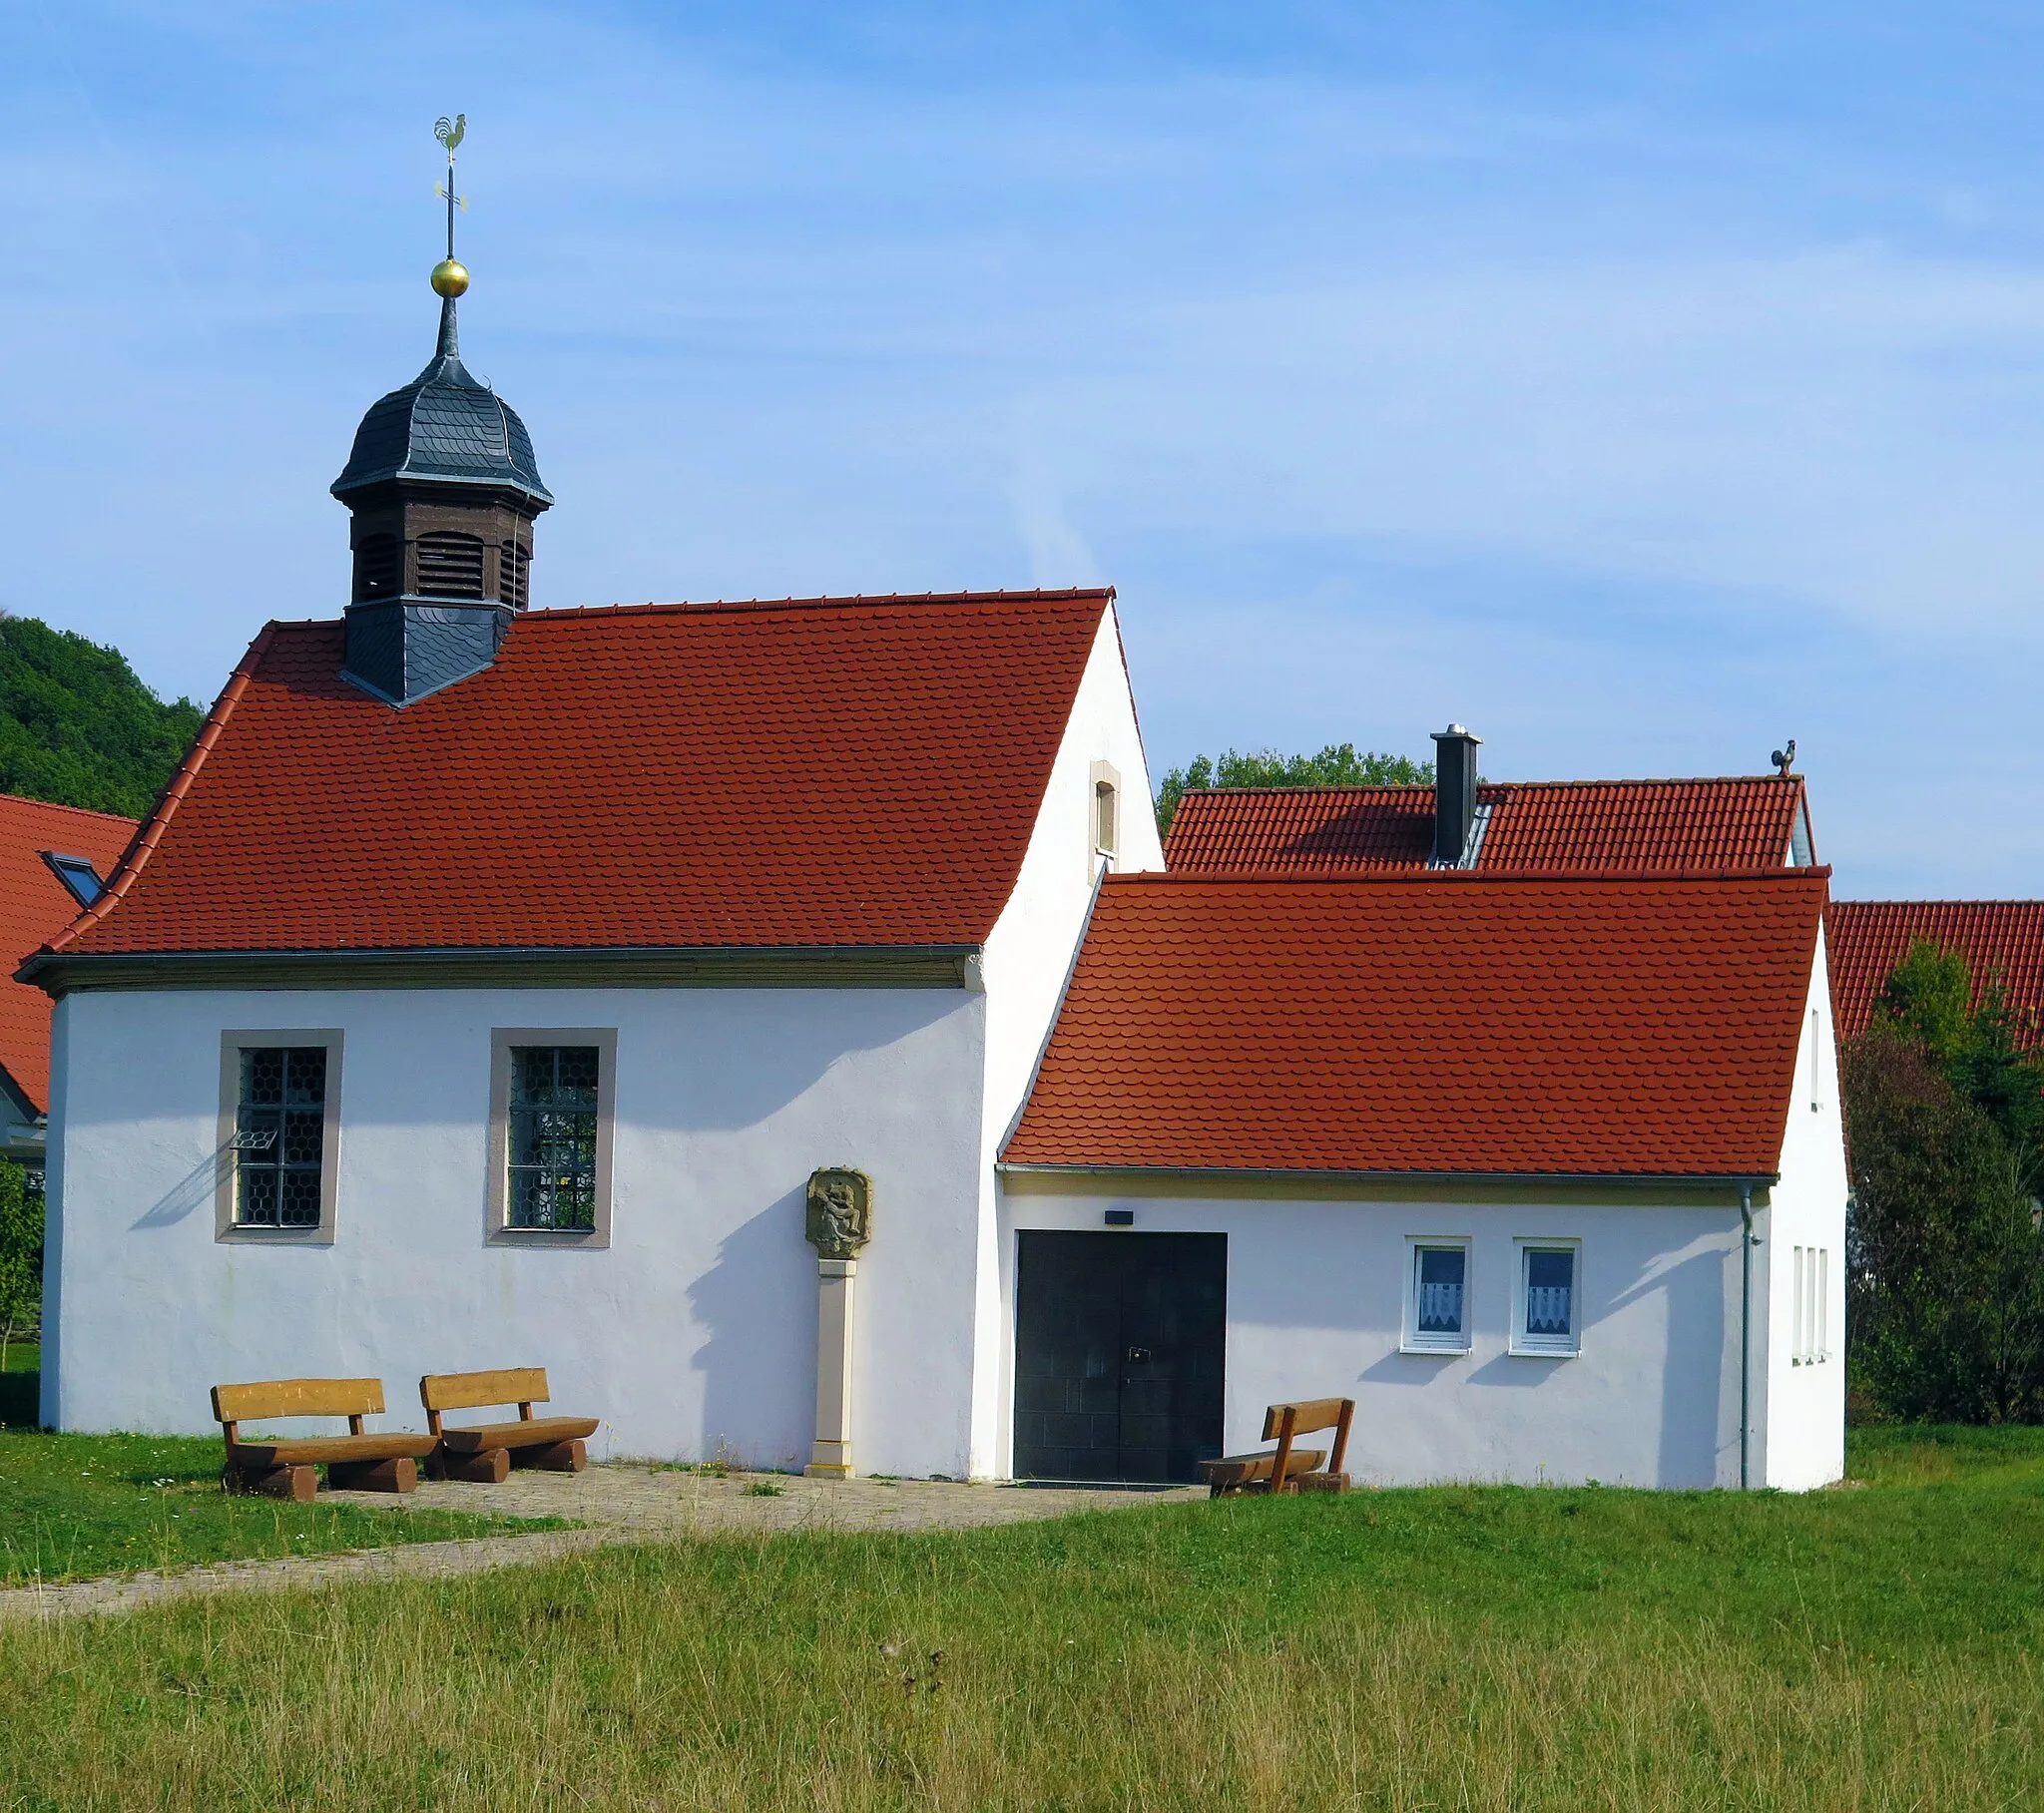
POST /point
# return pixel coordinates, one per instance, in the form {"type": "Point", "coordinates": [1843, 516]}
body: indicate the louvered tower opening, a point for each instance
{"type": "Point", "coordinates": [450, 566]}
{"type": "Point", "coordinates": [379, 567]}
{"type": "Point", "coordinates": [513, 562]}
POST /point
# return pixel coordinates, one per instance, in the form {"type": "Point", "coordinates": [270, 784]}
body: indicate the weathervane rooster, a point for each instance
{"type": "Point", "coordinates": [1785, 759]}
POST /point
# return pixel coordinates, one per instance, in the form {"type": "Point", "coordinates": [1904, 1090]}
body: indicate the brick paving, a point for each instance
{"type": "Point", "coordinates": [615, 1502]}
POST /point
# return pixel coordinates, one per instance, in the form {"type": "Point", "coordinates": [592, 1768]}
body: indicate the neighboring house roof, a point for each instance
{"type": "Point", "coordinates": [1559, 826]}
{"type": "Point", "coordinates": [1446, 1024]}
{"type": "Point", "coordinates": [810, 772]}
{"type": "Point", "coordinates": [1999, 939]}
{"type": "Point", "coordinates": [34, 906]}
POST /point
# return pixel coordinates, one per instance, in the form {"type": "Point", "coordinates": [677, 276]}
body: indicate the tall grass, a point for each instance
{"type": "Point", "coordinates": [1481, 1650]}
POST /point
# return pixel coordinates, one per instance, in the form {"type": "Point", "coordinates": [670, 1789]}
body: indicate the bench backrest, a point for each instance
{"type": "Point", "coordinates": [470, 1390]}
{"type": "Point", "coordinates": [1283, 1422]}
{"type": "Point", "coordinates": [297, 1398]}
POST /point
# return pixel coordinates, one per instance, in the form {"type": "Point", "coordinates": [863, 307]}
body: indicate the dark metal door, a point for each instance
{"type": "Point", "coordinates": [1119, 1343]}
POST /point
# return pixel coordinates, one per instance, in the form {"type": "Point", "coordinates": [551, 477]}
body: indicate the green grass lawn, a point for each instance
{"type": "Point", "coordinates": [1876, 1647]}
{"type": "Point", "coordinates": [73, 1506]}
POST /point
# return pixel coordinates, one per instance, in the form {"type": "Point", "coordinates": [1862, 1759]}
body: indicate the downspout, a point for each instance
{"type": "Point", "coordinates": [1744, 1330]}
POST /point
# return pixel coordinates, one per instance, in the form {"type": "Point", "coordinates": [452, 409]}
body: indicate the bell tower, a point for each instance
{"type": "Point", "coordinates": [443, 489]}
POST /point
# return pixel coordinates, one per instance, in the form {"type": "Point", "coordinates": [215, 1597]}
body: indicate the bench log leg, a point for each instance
{"type": "Point", "coordinates": [400, 1475]}
{"type": "Point", "coordinates": [489, 1467]}
{"type": "Point", "coordinates": [299, 1483]}
{"type": "Point", "coordinates": [553, 1457]}
{"type": "Point", "coordinates": [1321, 1481]}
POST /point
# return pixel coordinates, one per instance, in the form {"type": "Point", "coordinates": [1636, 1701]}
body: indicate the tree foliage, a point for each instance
{"type": "Point", "coordinates": [78, 727]}
{"type": "Point", "coordinates": [21, 1253]}
{"type": "Point", "coordinates": [1338, 765]}
{"type": "Point", "coordinates": [1945, 1259]}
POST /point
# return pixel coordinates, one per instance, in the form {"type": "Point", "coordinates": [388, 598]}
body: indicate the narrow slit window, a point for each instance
{"type": "Point", "coordinates": [553, 1138]}
{"type": "Point", "coordinates": [1797, 1343]}
{"type": "Point", "coordinates": [281, 1136]}
{"type": "Point", "coordinates": [1105, 816]}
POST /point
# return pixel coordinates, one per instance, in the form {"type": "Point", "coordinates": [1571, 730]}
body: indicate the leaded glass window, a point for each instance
{"type": "Point", "coordinates": [280, 1136]}
{"type": "Point", "coordinates": [552, 1137]}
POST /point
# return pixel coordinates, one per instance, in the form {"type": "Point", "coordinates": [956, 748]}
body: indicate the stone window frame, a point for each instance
{"type": "Point", "coordinates": [1105, 787]}
{"type": "Point", "coordinates": [233, 1042]}
{"type": "Point", "coordinates": [497, 1230]}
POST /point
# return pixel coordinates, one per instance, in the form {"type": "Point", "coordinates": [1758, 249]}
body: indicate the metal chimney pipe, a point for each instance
{"type": "Point", "coordinates": [1454, 794]}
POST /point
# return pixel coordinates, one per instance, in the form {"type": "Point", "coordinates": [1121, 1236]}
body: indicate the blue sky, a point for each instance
{"type": "Point", "coordinates": [1640, 385]}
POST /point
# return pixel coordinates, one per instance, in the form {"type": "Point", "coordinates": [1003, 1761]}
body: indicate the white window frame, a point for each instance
{"type": "Point", "coordinates": [233, 1042]}
{"type": "Point", "coordinates": [1546, 1346]}
{"type": "Point", "coordinates": [1413, 1340]}
{"type": "Point", "coordinates": [497, 1230]}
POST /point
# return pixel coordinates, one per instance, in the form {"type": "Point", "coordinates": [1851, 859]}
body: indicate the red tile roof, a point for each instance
{"type": "Point", "coordinates": [1456, 1024]}
{"type": "Point", "coordinates": [808, 772]}
{"type": "Point", "coordinates": [35, 905]}
{"type": "Point", "coordinates": [1997, 937]}
{"type": "Point", "coordinates": [1559, 826]}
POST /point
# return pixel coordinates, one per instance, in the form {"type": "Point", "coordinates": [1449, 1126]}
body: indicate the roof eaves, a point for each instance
{"type": "Point", "coordinates": [1294, 1174]}
{"type": "Point", "coordinates": [135, 857]}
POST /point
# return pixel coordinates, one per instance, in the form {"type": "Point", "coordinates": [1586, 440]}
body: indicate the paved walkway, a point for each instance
{"type": "Point", "coordinates": [615, 1504]}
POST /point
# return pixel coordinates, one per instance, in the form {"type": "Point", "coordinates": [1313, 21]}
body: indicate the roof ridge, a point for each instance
{"type": "Point", "coordinates": [135, 857]}
{"type": "Point", "coordinates": [1994, 900]}
{"type": "Point", "coordinates": [1427, 786]}
{"type": "Point", "coordinates": [707, 607]}
{"type": "Point", "coordinates": [1387, 877]}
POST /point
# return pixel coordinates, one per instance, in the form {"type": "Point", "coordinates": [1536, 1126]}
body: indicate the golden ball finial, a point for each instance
{"type": "Point", "coordinates": [451, 278]}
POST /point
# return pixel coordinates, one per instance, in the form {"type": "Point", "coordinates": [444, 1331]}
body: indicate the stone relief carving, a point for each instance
{"type": "Point", "coordinates": [840, 1212]}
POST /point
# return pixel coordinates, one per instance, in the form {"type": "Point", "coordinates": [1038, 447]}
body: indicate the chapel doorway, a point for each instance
{"type": "Point", "coordinates": [1119, 1347]}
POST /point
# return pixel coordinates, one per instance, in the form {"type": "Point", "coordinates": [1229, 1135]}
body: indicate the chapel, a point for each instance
{"type": "Point", "coordinates": [783, 1021]}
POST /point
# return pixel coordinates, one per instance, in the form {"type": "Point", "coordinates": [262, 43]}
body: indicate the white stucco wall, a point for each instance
{"type": "Point", "coordinates": [1315, 1308]}
{"type": "Point", "coordinates": [696, 1327]}
{"type": "Point", "coordinates": [1802, 1435]}
{"type": "Point", "coordinates": [1029, 956]}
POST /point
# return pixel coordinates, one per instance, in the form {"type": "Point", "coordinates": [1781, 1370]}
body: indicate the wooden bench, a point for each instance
{"type": "Point", "coordinates": [1286, 1468]}
{"type": "Point", "coordinates": [285, 1467]}
{"type": "Point", "coordinates": [486, 1452]}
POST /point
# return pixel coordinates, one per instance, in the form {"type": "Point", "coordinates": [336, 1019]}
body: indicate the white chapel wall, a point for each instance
{"type": "Point", "coordinates": [1030, 953]}
{"type": "Point", "coordinates": [696, 1327]}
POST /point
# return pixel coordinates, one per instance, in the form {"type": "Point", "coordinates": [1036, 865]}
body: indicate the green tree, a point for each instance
{"type": "Point", "coordinates": [78, 727]}
{"type": "Point", "coordinates": [1945, 1255]}
{"type": "Point", "coordinates": [21, 1255]}
{"type": "Point", "coordinates": [1338, 765]}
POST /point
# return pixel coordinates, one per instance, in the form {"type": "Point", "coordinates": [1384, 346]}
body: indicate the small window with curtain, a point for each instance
{"type": "Point", "coordinates": [1549, 1318]}
{"type": "Point", "coordinates": [551, 1134]}
{"type": "Point", "coordinates": [280, 1102]}
{"type": "Point", "coordinates": [1437, 1300]}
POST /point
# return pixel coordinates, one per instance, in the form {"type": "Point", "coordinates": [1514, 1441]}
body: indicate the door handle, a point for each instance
{"type": "Point", "coordinates": [1140, 1355]}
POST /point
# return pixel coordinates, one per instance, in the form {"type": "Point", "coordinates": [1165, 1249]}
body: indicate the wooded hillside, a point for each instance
{"type": "Point", "coordinates": [78, 727]}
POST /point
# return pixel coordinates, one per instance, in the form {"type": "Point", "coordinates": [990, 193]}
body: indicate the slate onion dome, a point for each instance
{"type": "Point", "coordinates": [443, 481]}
